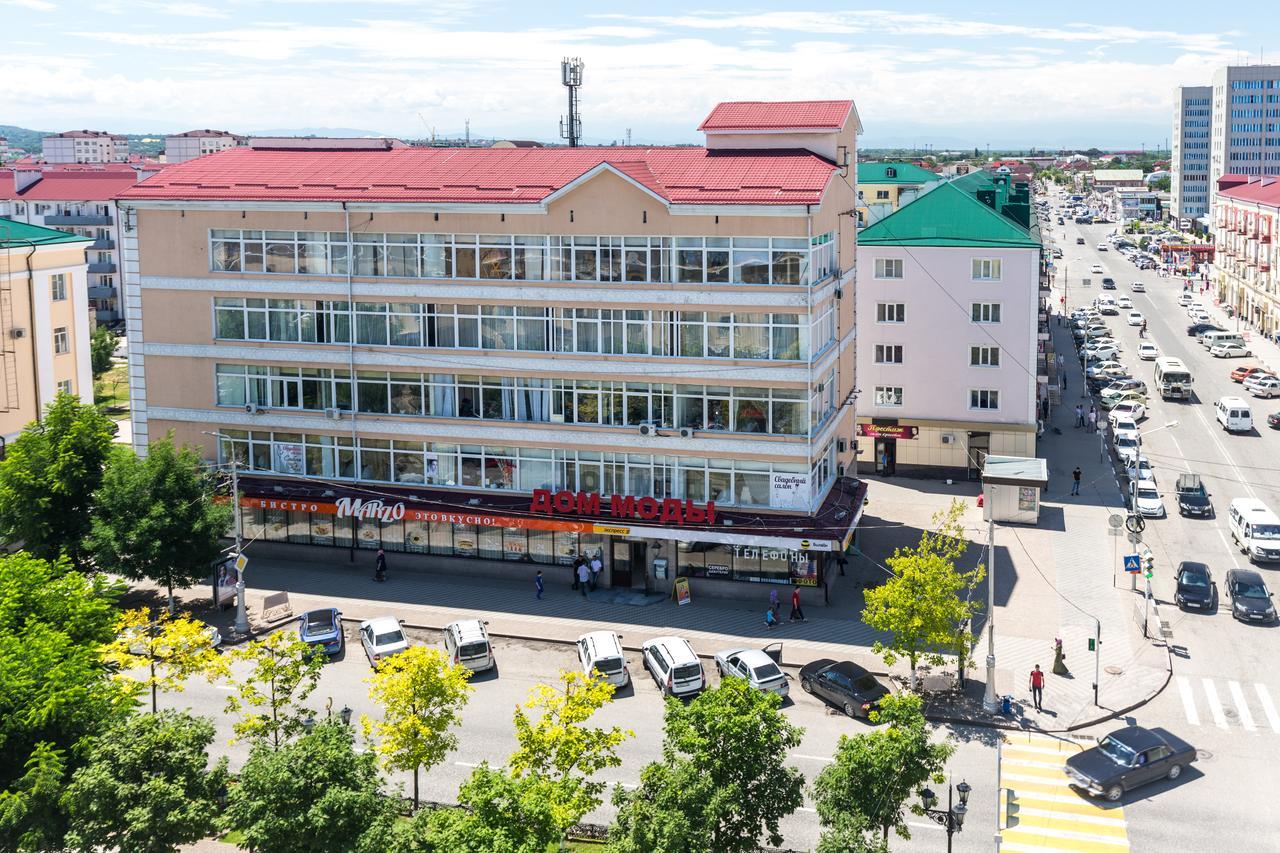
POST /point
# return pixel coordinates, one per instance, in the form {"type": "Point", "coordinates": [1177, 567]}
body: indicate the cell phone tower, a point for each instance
{"type": "Point", "coordinates": [571, 78]}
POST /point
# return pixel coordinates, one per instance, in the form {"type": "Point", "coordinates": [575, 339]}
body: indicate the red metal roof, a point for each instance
{"type": "Point", "coordinates": [778, 115]}
{"type": "Point", "coordinates": [70, 185]}
{"type": "Point", "coordinates": [1264, 190]}
{"type": "Point", "coordinates": [488, 175]}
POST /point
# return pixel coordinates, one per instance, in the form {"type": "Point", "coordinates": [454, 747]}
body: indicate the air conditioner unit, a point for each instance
{"type": "Point", "coordinates": [648, 428]}
{"type": "Point", "coordinates": [333, 414]}
{"type": "Point", "coordinates": [947, 438]}
{"type": "Point", "coordinates": [254, 409]}
{"type": "Point", "coordinates": [686, 432]}
{"type": "Point", "coordinates": [17, 333]}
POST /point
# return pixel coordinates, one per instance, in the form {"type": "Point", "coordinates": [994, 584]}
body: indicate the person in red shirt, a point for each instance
{"type": "Point", "coordinates": [797, 615]}
{"type": "Point", "coordinates": [1037, 686]}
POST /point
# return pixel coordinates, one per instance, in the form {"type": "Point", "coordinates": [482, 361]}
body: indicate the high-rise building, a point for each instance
{"type": "Point", "coordinates": [85, 146]}
{"type": "Point", "coordinates": [181, 147]}
{"type": "Point", "coordinates": [1245, 136]}
{"type": "Point", "coordinates": [1189, 168]}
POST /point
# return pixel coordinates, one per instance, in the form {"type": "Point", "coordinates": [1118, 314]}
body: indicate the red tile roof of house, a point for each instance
{"type": "Point", "coordinates": [778, 115]}
{"type": "Point", "coordinates": [69, 185]}
{"type": "Point", "coordinates": [1264, 190]}
{"type": "Point", "coordinates": [489, 175]}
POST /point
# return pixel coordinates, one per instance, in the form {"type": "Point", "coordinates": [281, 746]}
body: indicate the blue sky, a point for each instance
{"type": "Point", "coordinates": [946, 73]}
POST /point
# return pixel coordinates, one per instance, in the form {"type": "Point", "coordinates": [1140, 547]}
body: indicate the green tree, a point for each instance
{"type": "Point", "coordinates": [316, 793]}
{"type": "Point", "coordinates": [723, 782]}
{"type": "Point", "coordinates": [874, 774]}
{"type": "Point", "coordinates": [421, 693]}
{"type": "Point", "coordinates": [921, 605]}
{"type": "Point", "coordinates": [1161, 184]}
{"type": "Point", "coordinates": [147, 786]}
{"type": "Point", "coordinates": [48, 478]}
{"type": "Point", "coordinates": [156, 518]}
{"type": "Point", "coordinates": [172, 649]}
{"type": "Point", "coordinates": [850, 833]}
{"type": "Point", "coordinates": [269, 698]}
{"type": "Point", "coordinates": [102, 343]}
{"type": "Point", "coordinates": [55, 689]}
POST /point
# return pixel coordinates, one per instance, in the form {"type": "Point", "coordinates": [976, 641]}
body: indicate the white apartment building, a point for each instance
{"type": "Point", "coordinates": [85, 146]}
{"type": "Point", "coordinates": [1245, 136]}
{"type": "Point", "coordinates": [1192, 120]}
{"type": "Point", "coordinates": [181, 147]}
{"type": "Point", "coordinates": [952, 335]}
{"type": "Point", "coordinates": [1246, 229]}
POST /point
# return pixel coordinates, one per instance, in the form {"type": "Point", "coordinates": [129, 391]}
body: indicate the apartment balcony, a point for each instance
{"type": "Point", "coordinates": [102, 267]}
{"type": "Point", "coordinates": [103, 244]}
{"type": "Point", "coordinates": [78, 219]}
{"type": "Point", "coordinates": [102, 291]}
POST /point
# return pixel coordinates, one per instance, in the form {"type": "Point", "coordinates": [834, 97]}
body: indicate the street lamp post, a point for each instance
{"type": "Point", "coordinates": [989, 693]}
{"type": "Point", "coordinates": [952, 818]}
{"type": "Point", "coordinates": [242, 616]}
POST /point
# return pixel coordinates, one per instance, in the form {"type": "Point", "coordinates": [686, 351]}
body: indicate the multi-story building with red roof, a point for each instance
{"type": "Point", "coordinates": [518, 355]}
{"type": "Point", "coordinates": [1246, 229]}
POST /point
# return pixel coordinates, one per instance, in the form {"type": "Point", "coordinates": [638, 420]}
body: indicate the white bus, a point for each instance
{"type": "Point", "coordinates": [1173, 379]}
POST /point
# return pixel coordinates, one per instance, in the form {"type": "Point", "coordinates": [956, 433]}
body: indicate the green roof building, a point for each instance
{"type": "Point", "coordinates": [886, 187]}
{"type": "Point", "coordinates": [977, 209]}
{"type": "Point", "coordinates": [14, 233]}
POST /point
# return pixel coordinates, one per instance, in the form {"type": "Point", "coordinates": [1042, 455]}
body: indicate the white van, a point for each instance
{"type": "Point", "coordinates": [466, 642]}
{"type": "Point", "coordinates": [1234, 414]}
{"type": "Point", "coordinates": [674, 666]}
{"type": "Point", "coordinates": [601, 656]}
{"type": "Point", "coordinates": [1255, 529]}
{"type": "Point", "coordinates": [1210, 339]}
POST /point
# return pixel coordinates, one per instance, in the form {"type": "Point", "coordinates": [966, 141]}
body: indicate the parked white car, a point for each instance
{"type": "Point", "coordinates": [1263, 385]}
{"type": "Point", "coordinates": [1140, 469]}
{"type": "Point", "coordinates": [756, 667]}
{"type": "Point", "coordinates": [1228, 351]}
{"type": "Point", "coordinates": [1185, 299]}
{"type": "Point", "coordinates": [1119, 426]}
{"type": "Point", "coordinates": [1148, 351]}
{"type": "Point", "coordinates": [1105, 351]}
{"type": "Point", "coordinates": [1127, 447]}
{"type": "Point", "coordinates": [1145, 499]}
{"type": "Point", "coordinates": [381, 638]}
{"type": "Point", "coordinates": [1130, 409]}
{"type": "Point", "coordinates": [1136, 319]}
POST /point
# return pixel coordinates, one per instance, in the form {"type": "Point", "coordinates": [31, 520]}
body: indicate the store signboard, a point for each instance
{"type": "Point", "coordinates": [888, 431]}
{"type": "Point", "coordinates": [789, 491]}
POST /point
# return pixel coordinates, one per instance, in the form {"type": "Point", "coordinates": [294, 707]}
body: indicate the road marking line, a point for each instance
{"type": "Point", "coordinates": [822, 758]}
{"type": "Point", "coordinates": [1188, 701]}
{"type": "Point", "coordinates": [1231, 552]}
{"type": "Point", "coordinates": [1242, 708]}
{"type": "Point", "coordinates": [466, 764]}
{"type": "Point", "coordinates": [1034, 832]}
{"type": "Point", "coordinates": [1268, 707]}
{"type": "Point", "coordinates": [1215, 706]}
{"type": "Point", "coordinates": [1079, 810]}
{"type": "Point", "coordinates": [804, 809]}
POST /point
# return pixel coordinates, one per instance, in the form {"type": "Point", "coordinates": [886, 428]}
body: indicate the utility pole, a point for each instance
{"type": "Point", "coordinates": [241, 626]}
{"type": "Point", "coordinates": [989, 696]}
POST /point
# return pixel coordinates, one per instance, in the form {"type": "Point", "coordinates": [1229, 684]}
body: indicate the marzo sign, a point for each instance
{"type": "Point", "coordinates": [888, 431]}
{"type": "Point", "coordinates": [667, 510]}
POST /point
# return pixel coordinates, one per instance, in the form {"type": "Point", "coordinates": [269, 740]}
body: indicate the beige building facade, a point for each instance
{"type": "Point", "coordinates": [44, 322]}
{"type": "Point", "coordinates": [517, 355]}
{"type": "Point", "coordinates": [1246, 229]}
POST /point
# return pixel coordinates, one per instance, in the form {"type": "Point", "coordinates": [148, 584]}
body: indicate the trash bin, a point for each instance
{"type": "Point", "coordinates": [1006, 705]}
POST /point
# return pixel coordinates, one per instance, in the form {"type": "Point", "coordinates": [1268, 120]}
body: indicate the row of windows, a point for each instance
{"type": "Point", "coordinates": [506, 257]}
{"type": "Point", "coordinates": [982, 269]}
{"type": "Point", "coordinates": [979, 355]}
{"type": "Point", "coordinates": [979, 312]}
{"type": "Point", "coordinates": [980, 399]}
{"type": "Point", "coordinates": [688, 334]}
{"type": "Point", "coordinates": [775, 411]}
{"type": "Point", "coordinates": [725, 481]}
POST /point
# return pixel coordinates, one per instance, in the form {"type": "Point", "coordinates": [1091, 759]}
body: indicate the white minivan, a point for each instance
{"type": "Point", "coordinates": [1234, 414]}
{"type": "Point", "coordinates": [1211, 339]}
{"type": "Point", "coordinates": [466, 642]}
{"type": "Point", "coordinates": [674, 666]}
{"type": "Point", "coordinates": [1254, 529]}
{"type": "Point", "coordinates": [601, 656]}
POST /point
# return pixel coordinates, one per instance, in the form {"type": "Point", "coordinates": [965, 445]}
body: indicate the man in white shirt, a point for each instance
{"type": "Point", "coordinates": [583, 574]}
{"type": "Point", "coordinates": [596, 568]}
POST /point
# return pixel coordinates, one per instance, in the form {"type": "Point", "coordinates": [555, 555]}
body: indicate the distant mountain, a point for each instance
{"type": "Point", "coordinates": [317, 131]}
{"type": "Point", "coordinates": [22, 137]}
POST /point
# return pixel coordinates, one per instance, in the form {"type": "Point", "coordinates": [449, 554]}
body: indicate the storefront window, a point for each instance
{"type": "Point", "coordinates": [566, 547]}
{"type": "Point", "coordinates": [465, 543]}
{"type": "Point", "coordinates": [322, 529]}
{"type": "Point", "coordinates": [440, 536]}
{"type": "Point", "coordinates": [542, 546]}
{"type": "Point", "coordinates": [491, 543]}
{"type": "Point", "coordinates": [515, 544]}
{"type": "Point", "coordinates": [368, 534]}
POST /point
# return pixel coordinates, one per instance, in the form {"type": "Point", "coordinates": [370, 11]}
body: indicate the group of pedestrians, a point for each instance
{"type": "Point", "coordinates": [586, 572]}
{"type": "Point", "coordinates": [772, 614]}
{"type": "Point", "coordinates": [1087, 420]}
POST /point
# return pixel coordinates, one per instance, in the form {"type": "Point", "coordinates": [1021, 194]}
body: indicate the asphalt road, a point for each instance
{"type": "Point", "coordinates": [1226, 687]}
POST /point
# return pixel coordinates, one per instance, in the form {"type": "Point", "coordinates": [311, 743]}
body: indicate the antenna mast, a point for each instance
{"type": "Point", "coordinates": [571, 79]}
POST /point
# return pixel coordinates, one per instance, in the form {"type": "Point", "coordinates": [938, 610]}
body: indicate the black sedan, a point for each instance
{"type": "Point", "coordinates": [1196, 588]}
{"type": "Point", "coordinates": [844, 684]}
{"type": "Point", "coordinates": [1127, 758]}
{"type": "Point", "coordinates": [1273, 420]}
{"type": "Point", "coordinates": [1195, 330]}
{"type": "Point", "coordinates": [1250, 598]}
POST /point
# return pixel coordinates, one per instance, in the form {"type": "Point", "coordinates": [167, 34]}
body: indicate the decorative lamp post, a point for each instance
{"type": "Point", "coordinates": [952, 817]}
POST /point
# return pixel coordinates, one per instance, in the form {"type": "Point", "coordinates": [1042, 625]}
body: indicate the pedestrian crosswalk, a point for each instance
{"type": "Point", "coordinates": [1041, 813]}
{"type": "Point", "coordinates": [1235, 706]}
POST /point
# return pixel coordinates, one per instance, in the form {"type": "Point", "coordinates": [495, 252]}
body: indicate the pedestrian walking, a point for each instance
{"type": "Point", "coordinates": [596, 568]}
{"type": "Point", "coordinates": [537, 583]}
{"type": "Point", "coordinates": [1064, 380]}
{"type": "Point", "coordinates": [1075, 481]}
{"type": "Point", "coordinates": [797, 615]}
{"type": "Point", "coordinates": [1079, 416]}
{"type": "Point", "coordinates": [1037, 686]}
{"type": "Point", "coordinates": [1093, 419]}
{"type": "Point", "coordinates": [583, 577]}
{"type": "Point", "coordinates": [380, 566]}
{"type": "Point", "coordinates": [577, 564]}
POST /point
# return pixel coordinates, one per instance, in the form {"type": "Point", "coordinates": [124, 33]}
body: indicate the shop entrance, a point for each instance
{"type": "Point", "coordinates": [628, 560]}
{"type": "Point", "coordinates": [979, 447]}
{"type": "Point", "coordinates": [886, 456]}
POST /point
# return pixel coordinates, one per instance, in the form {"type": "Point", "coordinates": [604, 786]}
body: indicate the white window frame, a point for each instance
{"type": "Point", "coordinates": [882, 310]}
{"type": "Point", "coordinates": [991, 394]}
{"type": "Point", "coordinates": [986, 313]}
{"type": "Point", "coordinates": [885, 266]}
{"type": "Point", "coordinates": [58, 287]}
{"type": "Point", "coordinates": [61, 341]}
{"type": "Point", "coordinates": [64, 386]}
{"type": "Point", "coordinates": [883, 350]}
{"type": "Point", "coordinates": [980, 355]}
{"type": "Point", "coordinates": [986, 269]}
{"type": "Point", "coordinates": [884, 395]}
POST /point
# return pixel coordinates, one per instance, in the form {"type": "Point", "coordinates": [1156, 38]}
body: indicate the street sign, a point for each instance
{"type": "Point", "coordinates": [1132, 563]}
{"type": "Point", "coordinates": [241, 562]}
{"type": "Point", "coordinates": [1116, 520]}
{"type": "Point", "coordinates": [1135, 524]}
{"type": "Point", "coordinates": [1134, 538]}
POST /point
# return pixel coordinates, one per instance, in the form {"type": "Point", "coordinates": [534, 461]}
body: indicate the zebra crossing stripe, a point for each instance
{"type": "Point", "coordinates": [1242, 708]}
{"type": "Point", "coordinates": [1268, 707]}
{"type": "Point", "coordinates": [1215, 705]}
{"type": "Point", "coordinates": [1188, 701]}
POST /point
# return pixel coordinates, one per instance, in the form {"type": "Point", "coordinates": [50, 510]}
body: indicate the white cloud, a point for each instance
{"type": "Point", "coordinates": [35, 5]}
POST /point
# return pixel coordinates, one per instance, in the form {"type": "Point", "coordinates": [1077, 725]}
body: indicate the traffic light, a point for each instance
{"type": "Point", "coordinates": [1148, 563]}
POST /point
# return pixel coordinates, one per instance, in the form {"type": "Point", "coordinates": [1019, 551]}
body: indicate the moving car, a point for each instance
{"type": "Point", "coordinates": [1135, 318]}
{"type": "Point", "coordinates": [601, 655]}
{"type": "Point", "coordinates": [466, 642]}
{"type": "Point", "coordinates": [1096, 269]}
{"type": "Point", "coordinates": [322, 630]}
{"type": "Point", "coordinates": [1079, 241]}
{"type": "Point", "coordinates": [1128, 409]}
{"type": "Point", "coordinates": [843, 684]}
{"type": "Point", "coordinates": [1193, 499]}
{"type": "Point", "coordinates": [1102, 247]}
{"type": "Point", "coordinates": [1124, 302]}
{"type": "Point", "coordinates": [1249, 596]}
{"type": "Point", "coordinates": [673, 665]}
{"type": "Point", "coordinates": [1148, 351]}
{"type": "Point", "coordinates": [1233, 414]}
{"type": "Point", "coordinates": [756, 666]}
{"type": "Point", "coordinates": [1138, 287]}
{"type": "Point", "coordinates": [1146, 501]}
{"type": "Point", "coordinates": [381, 638]}
{"type": "Point", "coordinates": [1108, 283]}
{"type": "Point", "coordinates": [1273, 420]}
{"type": "Point", "coordinates": [1196, 588]}
{"type": "Point", "coordinates": [1127, 758]}
{"type": "Point", "coordinates": [1228, 351]}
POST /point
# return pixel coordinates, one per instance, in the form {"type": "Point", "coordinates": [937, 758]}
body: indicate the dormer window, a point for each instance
{"type": "Point", "coordinates": [891, 172]}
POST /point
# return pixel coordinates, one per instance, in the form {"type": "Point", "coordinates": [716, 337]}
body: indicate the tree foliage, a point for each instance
{"type": "Point", "coordinates": [102, 343]}
{"type": "Point", "coordinates": [147, 786]}
{"type": "Point", "coordinates": [421, 693]}
{"type": "Point", "coordinates": [269, 699]}
{"type": "Point", "coordinates": [874, 774]}
{"type": "Point", "coordinates": [49, 476]}
{"type": "Point", "coordinates": [723, 782]}
{"type": "Point", "coordinates": [156, 518]}
{"type": "Point", "coordinates": [314, 794]}
{"type": "Point", "coordinates": [55, 689]}
{"type": "Point", "coordinates": [921, 606]}
{"type": "Point", "coordinates": [168, 649]}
